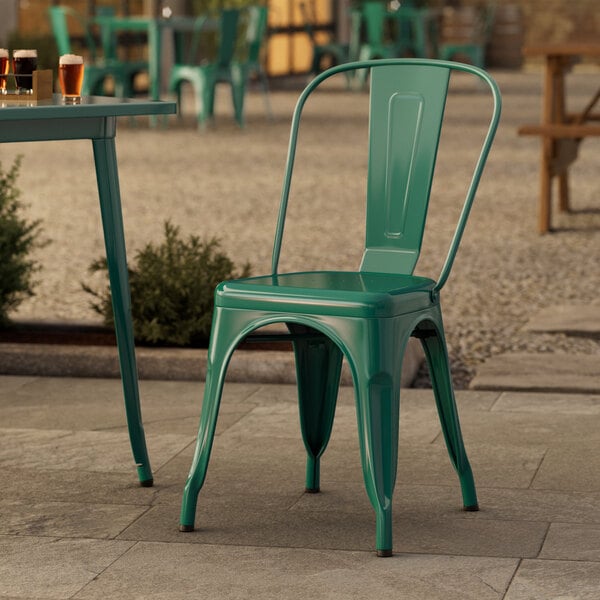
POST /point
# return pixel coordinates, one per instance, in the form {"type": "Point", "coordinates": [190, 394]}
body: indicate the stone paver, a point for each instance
{"type": "Point", "coordinates": [572, 319]}
{"type": "Point", "coordinates": [180, 364]}
{"type": "Point", "coordinates": [544, 372]}
{"type": "Point", "coordinates": [75, 524]}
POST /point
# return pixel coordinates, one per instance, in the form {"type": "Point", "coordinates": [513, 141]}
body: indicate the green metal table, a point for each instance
{"type": "Point", "coordinates": [95, 119]}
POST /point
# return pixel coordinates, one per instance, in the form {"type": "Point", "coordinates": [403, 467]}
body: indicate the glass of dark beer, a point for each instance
{"type": "Point", "coordinates": [4, 65]}
{"type": "Point", "coordinates": [24, 64]}
{"type": "Point", "coordinates": [70, 77]}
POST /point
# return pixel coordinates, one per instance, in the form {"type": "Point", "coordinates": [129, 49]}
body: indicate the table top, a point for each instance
{"type": "Point", "coordinates": [564, 49]}
{"type": "Point", "coordinates": [91, 106]}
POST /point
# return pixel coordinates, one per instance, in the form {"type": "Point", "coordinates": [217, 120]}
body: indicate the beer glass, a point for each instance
{"type": "Point", "coordinates": [70, 77]}
{"type": "Point", "coordinates": [4, 64]}
{"type": "Point", "coordinates": [24, 64]}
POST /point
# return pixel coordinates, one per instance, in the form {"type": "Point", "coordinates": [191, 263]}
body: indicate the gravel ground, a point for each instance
{"type": "Point", "coordinates": [225, 182]}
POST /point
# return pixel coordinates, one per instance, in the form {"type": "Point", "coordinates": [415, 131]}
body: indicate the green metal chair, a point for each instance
{"type": "Point", "coordinates": [415, 32]}
{"type": "Point", "coordinates": [98, 68]}
{"type": "Point", "coordinates": [95, 74]}
{"type": "Point", "coordinates": [378, 44]}
{"type": "Point", "coordinates": [205, 75]}
{"type": "Point", "coordinates": [365, 316]}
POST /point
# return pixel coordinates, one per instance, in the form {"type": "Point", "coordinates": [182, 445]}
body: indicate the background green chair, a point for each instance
{"type": "Point", "coordinates": [377, 42]}
{"type": "Point", "coordinates": [365, 316]}
{"type": "Point", "coordinates": [250, 64]}
{"type": "Point", "coordinates": [205, 75]}
{"type": "Point", "coordinates": [95, 73]}
{"type": "Point", "coordinates": [415, 31]}
{"type": "Point", "coordinates": [98, 66]}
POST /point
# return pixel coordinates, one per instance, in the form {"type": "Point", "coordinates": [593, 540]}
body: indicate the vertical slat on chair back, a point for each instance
{"type": "Point", "coordinates": [58, 22]}
{"type": "Point", "coordinates": [255, 32]}
{"type": "Point", "coordinates": [227, 36]}
{"type": "Point", "coordinates": [374, 16]}
{"type": "Point", "coordinates": [406, 113]}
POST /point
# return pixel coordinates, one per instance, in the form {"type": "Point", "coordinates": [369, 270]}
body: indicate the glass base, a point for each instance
{"type": "Point", "coordinates": [71, 99]}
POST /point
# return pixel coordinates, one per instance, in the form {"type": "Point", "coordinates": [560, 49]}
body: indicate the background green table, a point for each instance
{"type": "Point", "coordinates": [95, 119]}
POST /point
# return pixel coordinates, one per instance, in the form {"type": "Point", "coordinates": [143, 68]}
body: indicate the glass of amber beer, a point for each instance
{"type": "Point", "coordinates": [4, 65]}
{"type": "Point", "coordinates": [70, 77]}
{"type": "Point", "coordinates": [24, 64]}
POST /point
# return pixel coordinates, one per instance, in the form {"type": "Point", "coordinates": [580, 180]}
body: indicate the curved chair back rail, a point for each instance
{"type": "Point", "coordinates": [365, 316]}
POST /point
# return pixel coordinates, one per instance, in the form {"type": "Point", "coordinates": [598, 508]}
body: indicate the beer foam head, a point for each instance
{"type": "Point", "coordinates": [3, 53]}
{"type": "Point", "coordinates": [70, 59]}
{"type": "Point", "coordinates": [25, 53]}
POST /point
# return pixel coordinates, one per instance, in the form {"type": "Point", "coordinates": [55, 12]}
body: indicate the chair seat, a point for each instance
{"type": "Point", "coordinates": [353, 294]}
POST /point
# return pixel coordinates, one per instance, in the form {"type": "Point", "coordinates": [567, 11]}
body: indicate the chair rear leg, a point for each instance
{"type": "Point", "coordinates": [436, 353]}
{"type": "Point", "coordinates": [318, 369]}
{"type": "Point", "coordinates": [238, 91]}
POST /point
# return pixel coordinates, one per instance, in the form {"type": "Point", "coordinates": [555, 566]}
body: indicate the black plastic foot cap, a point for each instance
{"type": "Point", "coordinates": [147, 483]}
{"type": "Point", "coordinates": [312, 490]}
{"type": "Point", "coordinates": [472, 508]}
{"type": "Point", "coordinates": [384, 553]}
{"type": "Point", "coordinates": [186, 528]}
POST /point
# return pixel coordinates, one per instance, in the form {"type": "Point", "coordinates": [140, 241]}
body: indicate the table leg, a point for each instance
{"type": "Point", "coordinates": [548, 110]}
{"type": "Point", "coordinates": [154, 54]}
{"type": "Point", "coordinates": [563, 191]}
{"type": "Point", "coordinates": [559, 117]}
{"type": "Point", "coordinates": [114, 239]}
{"type": "Point", "coordinates": [544, 210]}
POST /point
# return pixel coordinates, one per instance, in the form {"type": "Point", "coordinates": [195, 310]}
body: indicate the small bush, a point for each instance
{"type": "Point", "coordinates": [17, 239]}
{"type": "Point", "coordinates": [172, 289]}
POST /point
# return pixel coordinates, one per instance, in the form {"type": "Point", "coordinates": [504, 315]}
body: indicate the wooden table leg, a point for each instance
{"type": "Point", "coordinates": [551, 74]}
{"type": "Point", "coordinates": [544, 212]}
{"type": "Point", "coordinates": [560, 117]}
{"type": "Point", "coordinates": [563, 191]}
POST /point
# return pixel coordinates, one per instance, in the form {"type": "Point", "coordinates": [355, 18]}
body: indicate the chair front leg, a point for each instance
{"type": "Point", "coordinates": [378, 412]}
{"type": "Point", "coordinates": [376, 352]}
{"type": "Point", "coordinates": [219, 350]}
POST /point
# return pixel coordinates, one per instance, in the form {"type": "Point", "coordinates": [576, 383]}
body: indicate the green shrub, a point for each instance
{"type": "Point", "coordinates": [172, 289]}
{"type": "Point", "coordinates": [17, 239]}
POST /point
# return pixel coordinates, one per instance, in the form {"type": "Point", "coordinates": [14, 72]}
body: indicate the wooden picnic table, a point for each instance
{"type": "Point", "coordinates": [561, 132]}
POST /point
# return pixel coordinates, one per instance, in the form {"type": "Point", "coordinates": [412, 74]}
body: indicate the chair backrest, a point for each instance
{"type": "Point", "coordinates": [374, 16]}
{"type": "Point", "coordinates": [186, 43]}
{"type": "Point", "coordinates": [255, 32]}
{"type": "Point", "coordinates": [228, 32]}
{"type": "Point", "coordinates": [407, 101]}
{"type": "Point", "coordinates": [59, 16]}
